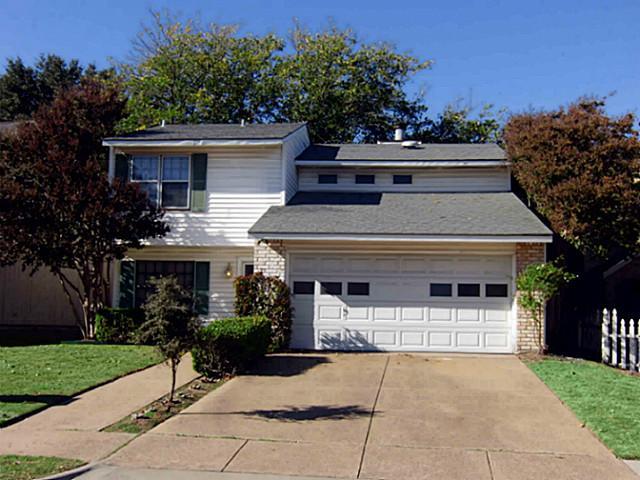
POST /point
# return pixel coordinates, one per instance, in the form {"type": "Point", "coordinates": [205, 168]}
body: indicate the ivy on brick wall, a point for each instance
{"type": "Point", "coordinates": [266, 296]}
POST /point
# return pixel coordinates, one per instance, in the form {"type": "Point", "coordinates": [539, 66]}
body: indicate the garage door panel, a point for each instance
{"type": "Point", "coordinates": [399, 312]}
{"type": "Point", "coordinates": [468, 315]}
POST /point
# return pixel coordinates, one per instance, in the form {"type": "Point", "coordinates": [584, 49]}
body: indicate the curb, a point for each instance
{"type": "Point", "coordinates": [70, 474]}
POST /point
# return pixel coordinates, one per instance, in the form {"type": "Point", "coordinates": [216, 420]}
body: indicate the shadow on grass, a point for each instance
{"type": "Point", "coordinates": [46, 399]}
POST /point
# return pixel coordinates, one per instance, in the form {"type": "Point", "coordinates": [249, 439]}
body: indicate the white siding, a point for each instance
{"type": "Point", "coordinates": [221, 293]}
{"type": "Point", "coordinates": [242, 183]}
{"type": "Point", "coordinates": [424, 180]}
{"type": "Point", "coordinates": [293, 146]}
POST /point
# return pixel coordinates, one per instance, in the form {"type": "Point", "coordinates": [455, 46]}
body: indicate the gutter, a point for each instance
{"type": "Point", "coordinates": [402, 163]}
{"type": "Point", "coordinates": [398, 238]}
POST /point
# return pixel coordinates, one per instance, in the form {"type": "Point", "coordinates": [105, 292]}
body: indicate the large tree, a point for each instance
{"type": "Point", "coordinates": [580, 168]}
{"type": "Point", "coordinates": [58, 210]}
{"type": "Point", "coordinates": [23, 88]}
{"type": "Point", "coordinates": [456, 124]}
{"type": "Point", "coordinates": [347, 89]}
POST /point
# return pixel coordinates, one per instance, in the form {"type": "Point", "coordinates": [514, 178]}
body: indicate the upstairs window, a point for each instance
{"type": "Point", "coordinates": [402, 179]}
{"type": "Point", "coordinates": [165, 179]}
{"type": "Point", "coordinates": [327, 179]}
{"type": "Point", "coordinates": [365, 179]}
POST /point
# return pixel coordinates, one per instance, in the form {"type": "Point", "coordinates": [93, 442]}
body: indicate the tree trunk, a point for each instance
{"type": "Point", "coordinates": [174, 372]}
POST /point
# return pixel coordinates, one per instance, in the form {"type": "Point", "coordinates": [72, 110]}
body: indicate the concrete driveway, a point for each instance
{"type": "Point", "coordinates": [380, 416]}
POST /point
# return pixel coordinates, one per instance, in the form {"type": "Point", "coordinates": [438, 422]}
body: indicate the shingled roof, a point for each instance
{"type": "Point", "coordinates": [395, 151]}
{"type": "Point", "coordinates": [401, 215]}
{"type": "Point", "coordinates": [213, 131]}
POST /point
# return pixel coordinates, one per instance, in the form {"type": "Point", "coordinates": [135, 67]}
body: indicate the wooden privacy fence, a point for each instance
{"type": "Point", "coordinates": [620, 341]}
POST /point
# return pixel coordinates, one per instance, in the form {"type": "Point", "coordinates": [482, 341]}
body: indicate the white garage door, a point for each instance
{"type": "Point", "coordinates": [450, 303]}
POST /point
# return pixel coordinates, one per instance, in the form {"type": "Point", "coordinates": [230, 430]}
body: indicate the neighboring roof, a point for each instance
{"type": "Point", "coordinates": [385, 151]}
{"type": "Point", "coordinates": [212, 131]}
{"type": "Point", "coordinates": [8, 127]}
{"type": "Point", "coordinates": [401, 216]}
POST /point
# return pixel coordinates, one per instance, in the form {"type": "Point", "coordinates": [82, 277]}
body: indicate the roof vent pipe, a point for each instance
{"type": "Point", "coordinates": [242, 122]}
{"type": "Point", "coordinates": [398, 135]}
{"type": "Point", "coordinates": [162, 123]}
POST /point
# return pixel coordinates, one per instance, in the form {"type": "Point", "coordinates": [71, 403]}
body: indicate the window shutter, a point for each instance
{"type": "Point", "coordinates": [202, 288]}
{"type": "Point", "coordinates": [199, 182]}
{"type": "Point", "coordinates": [127, 283]}
{"type": "Point", "coordinates": [122, 167]}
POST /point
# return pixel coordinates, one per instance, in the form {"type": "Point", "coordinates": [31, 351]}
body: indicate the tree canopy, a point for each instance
{"type": "Point", "coordinates": [580, 168]}
{"type": "Point", "coordinates": [58, 210]}
{"type": "Point", "coordinates": [23, 89]}
{"type": "Point", "coordinates": [345, 88]}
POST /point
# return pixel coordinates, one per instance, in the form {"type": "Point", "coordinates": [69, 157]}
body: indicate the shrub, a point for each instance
{"type": "Point", "coordinates": [257, 295]}
{"type": "Point", "coordinates": [118, 325]}
{"type": "Point", "coordinates": [537, 284]}
{"type": "Point", "coordinates": [230, 345]}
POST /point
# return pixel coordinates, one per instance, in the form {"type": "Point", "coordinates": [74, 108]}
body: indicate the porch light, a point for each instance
{"type": "Point", "coordinates": [228, 271]}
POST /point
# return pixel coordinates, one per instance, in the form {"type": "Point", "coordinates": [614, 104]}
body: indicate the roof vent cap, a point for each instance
{"type": "Point", "coordinates": [410, 144]}
{"type": "Point", "coordinates": [398, 135]}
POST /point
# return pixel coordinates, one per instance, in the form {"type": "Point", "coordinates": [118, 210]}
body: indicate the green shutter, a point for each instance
{"type": "Point", "coordinates": [199, 182]}
{"type": "Point", "coordinates": [122, 167]}
{"type": "Point", "coordinates": [127, 283]}
{"type": "Point", "coordinates": [202, 288]}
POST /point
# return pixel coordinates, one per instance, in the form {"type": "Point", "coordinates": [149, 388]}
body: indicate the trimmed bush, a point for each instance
{"type": "Point", "coordinates": [118, 325]}
{"type": "Point", "coordinates": [230, 345]}
{"type": "Point", "coordinates": [269, 297]}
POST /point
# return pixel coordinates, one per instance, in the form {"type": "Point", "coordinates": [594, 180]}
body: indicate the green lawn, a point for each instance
{"type": "Point", "coordinates": [35, 376]}
{"type": "Point", "coordinates": [605, 399]}
{"type": "Point", "coordinates": [17, 467]}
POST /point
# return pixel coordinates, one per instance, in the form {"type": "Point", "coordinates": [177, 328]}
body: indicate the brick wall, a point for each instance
{"type": "Point", "coordinates": [269, 257]}
{"type": "Point", "coordinates": [526, 254]}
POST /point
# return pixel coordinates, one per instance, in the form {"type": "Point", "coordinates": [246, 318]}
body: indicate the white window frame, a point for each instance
{"type": "Point", "coordinates": [159, 181]}
{"type": "Point", "coordinates": [241, 262]}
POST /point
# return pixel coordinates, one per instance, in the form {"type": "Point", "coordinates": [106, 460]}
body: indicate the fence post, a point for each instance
{"type": "Point", "coordinates": [614, 338]}
{"type": "Point", "coordinates": [606, 340]}
{"type": "Point", "coordinates": [623, 344]}
{"type": "Point", "coordinates": [633, 347]}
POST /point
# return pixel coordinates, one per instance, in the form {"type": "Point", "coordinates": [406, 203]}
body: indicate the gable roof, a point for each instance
{"type": "Point", "coordinates": [402, 216]}
{"type": "Point", "coordinates": [212, 131]}
{"type": "Point", "coordinates": [395, 151]}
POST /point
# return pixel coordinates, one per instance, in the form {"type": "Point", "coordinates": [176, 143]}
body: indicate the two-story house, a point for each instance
{"type": "Point", "coordinates": [391, 246]}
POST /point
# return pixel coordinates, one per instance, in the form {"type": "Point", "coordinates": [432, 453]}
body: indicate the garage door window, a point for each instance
{"type": "Point", "coordinates": [496, 290]}
{"type": "Point", "coordinates": [327, 179]}
{"type": "Point", "coordinates": [331, 288]}
{"type": "Point", "coordinates": [440, 290]}
{"type": "Point", "coordinates": [303, 288]}
{"type": "Point", "coordinates": [468, 289]}
{"type": "Point", "coordinates": [358, 288]}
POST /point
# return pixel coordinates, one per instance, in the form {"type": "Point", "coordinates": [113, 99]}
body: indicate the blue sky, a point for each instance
{"type": "Point", "coordinates": [515, 54]}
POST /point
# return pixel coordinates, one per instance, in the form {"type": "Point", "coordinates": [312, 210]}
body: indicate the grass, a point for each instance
{"type": "Point", "coordinates": [605, 399]}
{"type": "Point", "coordinates": [156, 412]}
{"type": "Point", "coordinates": [17, 467]}
{"type": "Point", "coordinates": [36, 376]}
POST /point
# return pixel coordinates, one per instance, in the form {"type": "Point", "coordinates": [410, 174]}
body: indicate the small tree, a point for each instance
{"type": "Point", "coordinates": [58, 210]}
{"type": "Point", "coordinates": [537, 284]}
{"type": "Point", "coordinates": [171, 323]}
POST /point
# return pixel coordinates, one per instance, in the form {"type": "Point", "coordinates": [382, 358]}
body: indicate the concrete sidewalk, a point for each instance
{"type": "Point", "coordinates": [72, 430]}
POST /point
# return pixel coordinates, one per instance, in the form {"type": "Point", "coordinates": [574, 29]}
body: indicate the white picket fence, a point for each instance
{"type": "Point", "coordinates": [620, 341]}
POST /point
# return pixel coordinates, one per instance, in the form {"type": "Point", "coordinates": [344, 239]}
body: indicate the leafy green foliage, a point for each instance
{"type": "Point", "coordinates": [230, 345]}
{"type": "Point", "coordinates": [345, 88]}
{"type": "Point", "coordinates": [23, 89]}
{"type": "Point", "coordinates": [62, 371]}
{"type": "Point", "coordinates": [118, 325]}
{"type": "Point", "coordinates": [604, 398]}
{"type": "Point", "coordinates": [58, 209]}
{"type": "Point", "coordinates": [456, 125]}
{"type": "Point", "coordinates": [580, 168]}
{"type": "Point", "coordinates": [21, 467]}
{"type": "Point", "coordinates": [270, 297]}
{"type": "Point", "coordinates": [171, 323]}
{"type": "Point", "coordinates": [537, 284]}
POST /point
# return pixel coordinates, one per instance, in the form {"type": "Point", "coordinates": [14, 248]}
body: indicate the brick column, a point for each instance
{"type": "Point", "coordinates": [269, 257]}
{"type": "Point", "coordinates": [526, 254]}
